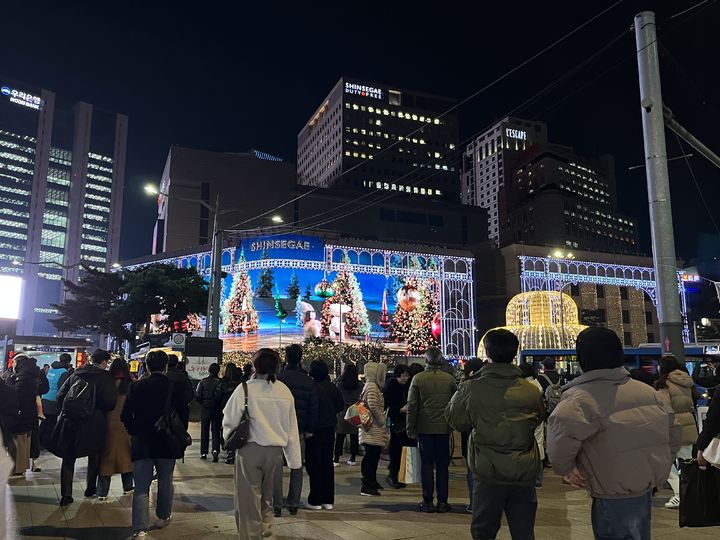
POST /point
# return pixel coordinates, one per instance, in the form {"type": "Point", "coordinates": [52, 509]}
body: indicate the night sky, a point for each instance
{"type": "Point", "coordinates": [233, 77]}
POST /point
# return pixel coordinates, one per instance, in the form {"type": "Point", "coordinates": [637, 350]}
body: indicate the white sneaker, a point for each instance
{"type": "Point", "coordinates": [673, 503]}
{"type": "Point", "coordinates": [102, 499]}
{"type": "Point", "coordinates": [162, 523]}
{"type": "Point", "coordinates": [336, 463]}
{"type": "Point", "coordinates": [140, 534]}
{"type": "Point", "coordinates": [327, 506]}
{"type": "Point", "coordinates": [312, 506]}
{"type": "Point", "coordinates": [351, 463]}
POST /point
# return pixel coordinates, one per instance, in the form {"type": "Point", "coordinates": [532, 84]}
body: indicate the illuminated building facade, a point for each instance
{"type": "Point", "coordinates": [62, 168]}
{"type": "Point", "coordinates": [368, 136]}
{"type": "Point", "coordinates": [489, 162]}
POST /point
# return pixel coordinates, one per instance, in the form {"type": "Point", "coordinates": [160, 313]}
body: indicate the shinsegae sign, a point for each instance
{"type": "Point", "coordinates": [363, 90]}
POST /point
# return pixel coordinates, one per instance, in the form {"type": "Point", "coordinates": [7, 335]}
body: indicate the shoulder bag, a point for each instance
{"type": "Point", "coordinates": [171, 428]}
{"type": "Point", "coordinates": [358, 414]}
{"type": "Point", "coordinates": [240, 435]}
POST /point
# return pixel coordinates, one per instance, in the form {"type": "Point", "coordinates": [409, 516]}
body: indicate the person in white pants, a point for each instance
{"type": "Point", "coordinates": [676, 389]}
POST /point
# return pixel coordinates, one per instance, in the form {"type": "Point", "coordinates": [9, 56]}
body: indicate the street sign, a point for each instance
{"type": "Point", "coordinates": [177, 341]}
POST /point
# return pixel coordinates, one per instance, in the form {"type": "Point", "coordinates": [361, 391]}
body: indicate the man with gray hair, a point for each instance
{"type": "Point", "coordinates": [429, 394]}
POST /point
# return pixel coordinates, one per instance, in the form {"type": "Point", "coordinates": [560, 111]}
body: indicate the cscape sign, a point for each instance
{"type": "Point", "coordinates": [516, 134]}
{"type": "Point", "coordinates": [24, 99]}
{"type": "Point", "coordinates": [363, 90]}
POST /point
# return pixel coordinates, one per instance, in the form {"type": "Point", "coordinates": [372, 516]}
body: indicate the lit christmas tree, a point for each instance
{"type": "Point", "coordinates": [418, 303]}
{"type": "Point", "coordinates": [239, 315]}
{"type": "Point", "coordinates": [347, 292]}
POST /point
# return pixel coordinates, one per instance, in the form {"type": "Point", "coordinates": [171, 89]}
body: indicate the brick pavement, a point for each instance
{"type": "Point", "coordinates": [203, 510]}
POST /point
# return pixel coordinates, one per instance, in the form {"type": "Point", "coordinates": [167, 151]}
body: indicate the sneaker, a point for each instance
{"type": "Point", "coordinates": [162, 523]}
{"type": "Point", "coordinates": [203, 456]}
{"type": "Point", "coordinates": [673, 503]}
{"type": "Point", "coordinates": [336, 463]}
{"type": "Point", "coordinates": [350, 462]}
{"type": "Point", "coordinates": [370, 492]}
{"type": "Point", "coordinates": [292, 510]}
{"type": "Point", "coordinates": [444, 508]}
{"type": "Point", "coordinates": [65, 501]}
{"type": "Point", "coordinates": [90, 492]}
{"type": "Point", "coordinates": [102, 499]}
{"type": "Point", "coordinates": [216, 457]}
{"type": "Point", "coordinates": [140, 534]}
{"type": "Point", "coordinates": [128, 491]}
{"type": "Point", "coordinates": [277, 512]}
{"type": "Point", "coordinates": [327, 506]}
{"type": "Point", "coordinates": [393, 483]}
{"type": "Point", "coordinates": [427, 508]}
{"type": "Point", "coordinates": [309, 506]}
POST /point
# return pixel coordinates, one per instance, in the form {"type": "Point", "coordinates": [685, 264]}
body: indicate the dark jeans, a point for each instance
{"type": "Point", "coordinates": [67, 473]}
{"type": "Point", "coordinates": [397, 441]}
{"type": "Point", "coordinates": [434, 465]}
{"type": "Point", "coordinates": [319, 466]}
{"type": "Point", "coordinates": [103, 484]}
{"type": "Point", "coordinates": [622, 519]}
{"type": "Point", "coordinates": [143, 471]}
{"type": "Point", "coordinates": [490, 501]}
{"type": "Point", "coordinates": [210, 418]}
{"type": "Point", "coordinates": [296, 482]}
{"type": "Point", "coordinates": [369, 466]}
{"type": "Point", "coordinates": [340, 443]}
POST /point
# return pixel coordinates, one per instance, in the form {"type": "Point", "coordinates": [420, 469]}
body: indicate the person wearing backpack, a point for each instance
{"type": "Point", "coordinates": [56, 377]}
{"type": "Point", "coordinates": [84, 399]}
{"type": "Point", "coordinates": [211, 418]}
{"type": "Point", "coordinates": [148, 401]}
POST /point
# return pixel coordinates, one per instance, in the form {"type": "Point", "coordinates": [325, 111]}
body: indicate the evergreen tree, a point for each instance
{"type": "Point", "coordinates": [239, 315]}
{"type": "Point", "coordinates": [293, 289]}
{"type": "Point", "coordinates": [308, 293]}
{"type": "Point", "coordinates": [266, 279]}
{"type": "Point", "coordinates": [347, 292]}
{"type": "Point", "coordinates": [414, 326]}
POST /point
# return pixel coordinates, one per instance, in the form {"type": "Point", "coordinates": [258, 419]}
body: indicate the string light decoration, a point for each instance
{"type": "Point", "coordinates": [613, 308]}
{"type": "Point", "coordinates": [536, 319]}
{"type": "Point", "coordinates": [412, 321]}
{"type": "Point", "coordinates": [239, 315]}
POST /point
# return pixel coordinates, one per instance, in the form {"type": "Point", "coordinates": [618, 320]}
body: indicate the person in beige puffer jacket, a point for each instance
{"type": "Point", "coordinates": [376, 438]}
{"type": "Point", "coordinates": [611, 435]}
{"type": "Point", "coordinates": [675, 387]}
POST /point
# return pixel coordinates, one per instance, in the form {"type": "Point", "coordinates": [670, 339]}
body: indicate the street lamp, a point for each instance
{"type": "Point", "coordinates": [276, 219]}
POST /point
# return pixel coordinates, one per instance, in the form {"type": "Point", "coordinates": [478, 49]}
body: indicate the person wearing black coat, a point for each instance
{"type": "Point", "coordinates": [74, 438]}
{"type": "Point", "coordinates": [25, 381]}
{"type": "Point", "coordinates": [319, 447]}
{"type": "Point", "coordinates": [145, 404]}
{"type": "Point", "coordinates": [710, 428]}
{"type": "Point", "coordinates": [211, 416]}
{"type": "Point", "coordinates": [395, 394]}
{"type": "Point", "coordinates": [232, 379]}
{"type": "Point", "coordinates": [183, 384]}
{"type": "Point", "coordinates": [9, 415]}
{"type": "Point", "coordinates": [302, 388]}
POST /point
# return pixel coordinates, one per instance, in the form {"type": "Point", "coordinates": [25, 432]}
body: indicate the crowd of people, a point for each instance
{"type": "Point", "coordinates": [603, 431]}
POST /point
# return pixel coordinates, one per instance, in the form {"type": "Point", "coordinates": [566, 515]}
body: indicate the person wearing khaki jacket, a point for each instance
{"type": "Point", "coordinates": [675, 387]}
{"type": "Point", "coordinates": [376, 438]}
{"type": "Point", "coordinates": [610, 435]}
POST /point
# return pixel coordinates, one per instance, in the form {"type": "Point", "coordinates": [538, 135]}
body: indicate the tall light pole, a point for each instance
{"type": "Point", "coordinates": [658, 186]}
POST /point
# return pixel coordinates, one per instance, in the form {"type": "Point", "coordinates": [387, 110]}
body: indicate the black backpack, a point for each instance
{"type": "Point", "coordinates": [79, 403]}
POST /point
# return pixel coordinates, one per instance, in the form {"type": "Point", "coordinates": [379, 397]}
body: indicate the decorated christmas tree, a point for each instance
{"type": "Point", "coordinates": [239, 315]}
{"type": "Point", "coordinates": [347, 292]}
{"type": "Point", "coordinates": [293, 289]}
{"type": "Point", "coordinates": [418, 304]}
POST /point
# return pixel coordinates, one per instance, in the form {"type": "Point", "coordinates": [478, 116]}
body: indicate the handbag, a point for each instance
{"type": "Point", "coordinates": [712, 452]}
{"type": "Point", "coordinates": [240, 435]}
{"type": "Point", "coordinates": [171, 428]}
{"type": "Point", "coordinates": [699, 495]}
{"type": "Point", "coordinates": [358, 414]}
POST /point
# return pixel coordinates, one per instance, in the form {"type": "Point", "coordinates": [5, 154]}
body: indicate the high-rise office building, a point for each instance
{"type": "Point", "coordinates": [62, 168]}
{"type": "Point", "coordinates": [557, 198]}
{"type": "Point", "coordinates": [490, 161]}
{"type": "Point", "coordinates": [368, 136]}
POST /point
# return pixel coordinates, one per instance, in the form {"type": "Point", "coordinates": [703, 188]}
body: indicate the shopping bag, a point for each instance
{"type": "Point", "coordinates": [401, 469]}
{"type": "Point", "coordinates": [412, 465]}
{"type": "Point", "coordinates": [359, 415]}
{"type": "Point", "coordinates": [699, 495]}
{"type": "Point", "coordinates": [712, 452]}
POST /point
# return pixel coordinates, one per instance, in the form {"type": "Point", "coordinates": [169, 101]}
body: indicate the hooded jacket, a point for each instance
{"type": "Point", "coordinates": [374, 380]}
{"type": "Point", "coordinates": [615, 430]}
{"type": "Point", "coordinates": [501, 410]}
{"type": "Point", "coordinates": [677, 397]}
{"type": "Point", "coordinates": [429, 394]}
{"type": "Point", "coordinates": [25, 381]}
{"type": "Point", "coordinates": [56, 377]}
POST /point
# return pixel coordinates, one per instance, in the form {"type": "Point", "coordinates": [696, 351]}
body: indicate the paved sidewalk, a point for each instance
{"type": "Point", "coordinates": [203, 509]}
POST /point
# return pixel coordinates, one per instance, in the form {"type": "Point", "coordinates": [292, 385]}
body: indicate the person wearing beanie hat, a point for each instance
{"type": "Point", "coordinates": [611, 435]}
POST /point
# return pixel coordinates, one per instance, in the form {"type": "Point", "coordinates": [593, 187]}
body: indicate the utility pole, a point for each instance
{"type": "Point", "coordinates": [658, 185]}
{"type": "Point", "coordinates": [216, 281]}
